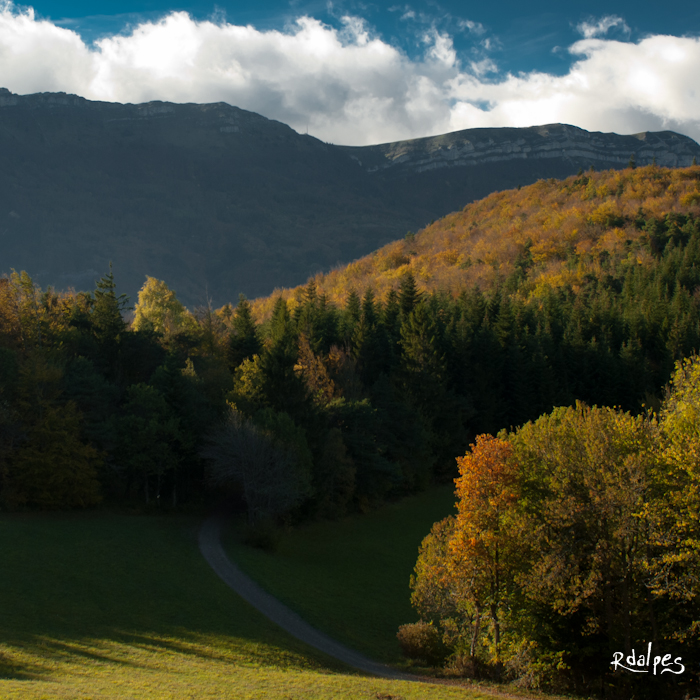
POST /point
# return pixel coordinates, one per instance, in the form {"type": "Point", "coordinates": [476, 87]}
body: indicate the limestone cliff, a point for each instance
{"type": "Point", "coordinates": [475, 147]}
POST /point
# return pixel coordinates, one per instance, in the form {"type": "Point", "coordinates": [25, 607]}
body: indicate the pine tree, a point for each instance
{"type": "Point", "coordinates": [108, 326]}
{"type": "Point", "coordinates": [243, 341]}
{"type": "Point", "coordinates": [106, 317]}
{"type": "Point", "coordinates": [351, 316]}
{"type": "Point", "coordinates": [408, 294]}
{"type": "Point", "coordinates": [370, 343]}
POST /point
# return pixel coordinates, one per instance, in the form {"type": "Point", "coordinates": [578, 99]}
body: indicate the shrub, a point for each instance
{"type": "Point", "coordinates": [421, 641]}
{"type": "Point", "coordinates": [263, 534]}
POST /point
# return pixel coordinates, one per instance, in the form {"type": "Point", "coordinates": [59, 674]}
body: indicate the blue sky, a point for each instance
{"type": "Point", "coordinates": [525, 36]}
{"type": "Point", "coordinates": [362, 72]}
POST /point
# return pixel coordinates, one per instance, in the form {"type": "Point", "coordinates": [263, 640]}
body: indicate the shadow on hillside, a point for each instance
{"type": "Point", "coordinates": [112, 589]}
{"type": "Point", "coordinates": [58, 649]}
{"type": "Point", "coordinates": [14, 669]}
{"type": "Point", "coordinates": [51, 651]}
{"type": "Point", "coordinates": [230, 653]}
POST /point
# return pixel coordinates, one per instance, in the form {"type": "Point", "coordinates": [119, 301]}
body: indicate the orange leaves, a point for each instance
{"type": "Point", "coordinates": [487, 493]}
{"type": "Point", "coordinates": [487, 482]}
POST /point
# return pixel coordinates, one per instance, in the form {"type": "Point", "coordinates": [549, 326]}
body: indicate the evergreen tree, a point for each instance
{"type": "Point", "coordinates": [369, 341]}
{"type": "Point", "coordinates": [243, 341]}
{"type": "Point", "coordinates": [108, 326]}
{"type": "Point", "coordinates": [408, 294]}
{"type": "Point", "coordinates": [149, 440]}
{"type": "Point", "coordinates": [351, 316]}
{"type": "Point", "coordinates": [106, 317]}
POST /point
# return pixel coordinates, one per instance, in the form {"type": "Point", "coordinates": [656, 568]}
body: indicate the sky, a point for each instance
{"type": "Point", "coordinates": [358, 72]}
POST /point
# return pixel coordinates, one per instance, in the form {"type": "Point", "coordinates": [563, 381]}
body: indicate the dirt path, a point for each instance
{"type": "Point", "coordinates": [288, 620]}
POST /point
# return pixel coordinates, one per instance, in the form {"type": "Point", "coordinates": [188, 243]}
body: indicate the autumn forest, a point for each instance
{"type": "Point", "coordinates": [538, 346]}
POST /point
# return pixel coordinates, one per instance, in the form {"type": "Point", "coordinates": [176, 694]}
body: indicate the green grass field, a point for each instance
{"type": "Point", "coordinates": [350, 578]}
{"type": "Point", "coordinates": [106, 606]}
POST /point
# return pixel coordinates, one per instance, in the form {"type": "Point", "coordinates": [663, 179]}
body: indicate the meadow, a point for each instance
{"type": "Point", "coordinates": [104, 606]}
{"type": "Point", "coordinates": [350, 578]}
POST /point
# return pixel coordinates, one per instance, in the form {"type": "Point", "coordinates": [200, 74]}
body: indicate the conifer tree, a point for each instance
{"type": "Point", "coordinates": [351, 316]}
{"type": "Point", "coordinates": [369, 341]}
{"type": "Point", "coordinates": [408, 294]}
{"type": "Point", "coordinates": [106, 317]}
{"type": "Point", "coordinates": [108, 326]}
{"type": "Point", "coordinates": [243, 341]}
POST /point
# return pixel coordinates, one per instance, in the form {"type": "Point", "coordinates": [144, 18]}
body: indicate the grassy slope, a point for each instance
{"type": "Point", "coordinates": [112, 606]}
{"type": "Point", "coordinates": [579, 216]}
{"type": "Point", "coordinates": [350, 578]}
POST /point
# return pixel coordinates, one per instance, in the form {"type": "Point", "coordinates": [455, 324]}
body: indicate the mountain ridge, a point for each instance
{"type": "Point", "coordinates": [507, 143]}
{"type": "Point", "coordinates": [218, 200]}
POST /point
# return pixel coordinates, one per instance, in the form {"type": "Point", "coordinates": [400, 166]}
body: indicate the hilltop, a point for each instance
{"type": "Point", "coordinates": [564, 230]}
{"type": "Point", "coordinates": [218, 200]}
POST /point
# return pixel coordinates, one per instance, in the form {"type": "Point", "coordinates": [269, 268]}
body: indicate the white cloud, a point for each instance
{"type": "Point", "coordinates": [351, 87]}
{"type": "Point", "coordinates": [593, 29]}
{"type": "Point", "coordinates": [441, 47]}
{"type": "Point", "coordinates": [473, 27]}
{"type": "Point", "coordinates": [483, 67]}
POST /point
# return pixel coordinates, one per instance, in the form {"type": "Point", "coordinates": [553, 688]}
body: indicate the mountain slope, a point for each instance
{"type": "Point", "coordinates": [217, 200]}
{"type": "Point", "coordinates": [562, 231]}
{"type": "Point", "coordinates": [210, 197]}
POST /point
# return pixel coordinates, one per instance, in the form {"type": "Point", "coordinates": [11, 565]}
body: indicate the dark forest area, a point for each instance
{"type": "Point", "coordinates": [351, 403]}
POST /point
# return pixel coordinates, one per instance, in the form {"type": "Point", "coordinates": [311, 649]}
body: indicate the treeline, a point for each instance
{"type": "Point", "coordinates": [573, 560]}
{"type": "Point", "coordinates": [586, 218]}
{"type": "Point", "coordinates": [363, 401]}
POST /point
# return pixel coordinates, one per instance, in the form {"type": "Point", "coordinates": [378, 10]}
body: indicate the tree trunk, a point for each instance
{"type": "Point", "coordinates": [475, 633]}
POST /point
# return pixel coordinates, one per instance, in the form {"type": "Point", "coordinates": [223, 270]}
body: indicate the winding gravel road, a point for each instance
{"type": "Point", "coordinates": [288, 620]}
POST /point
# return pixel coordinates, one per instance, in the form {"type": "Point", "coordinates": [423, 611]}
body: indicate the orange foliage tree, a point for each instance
{"type": "Point", "coordinates": [483, 546]}
{"type": "Point", "coordinates": [466, 565]}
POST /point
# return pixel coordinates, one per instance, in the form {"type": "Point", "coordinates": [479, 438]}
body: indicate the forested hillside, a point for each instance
{"type": "Point", "coordinates": [364, 384]}
{"type": "Point", "coordinates": [218, 200]}
{"type": "Point", "coordinates": [562, 231]}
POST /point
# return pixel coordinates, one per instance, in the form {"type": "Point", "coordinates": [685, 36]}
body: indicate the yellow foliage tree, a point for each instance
{"type": "Point", "coordinates": [159, 309]}
{"type": "Point", "coordinates": [676, 511]}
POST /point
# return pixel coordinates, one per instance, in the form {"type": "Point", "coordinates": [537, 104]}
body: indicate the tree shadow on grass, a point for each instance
{"type": "Point", "coordinates": [13, 669]}
{"type": "Point", "coordinates": [234, 651]}
{"type": "Point", "coordinates": [50, 650]}
{"type": "Point", "coordinates": [60, 649]}
{"type": "Point", "coordinates": [109, 588]}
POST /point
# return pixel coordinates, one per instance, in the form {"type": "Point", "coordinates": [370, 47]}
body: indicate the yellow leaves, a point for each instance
{"type": "Point", "coordinates": [158, 308]}
{"type": "Point", "coordinates": [690, 198]}
{"type": "Point", "coordinates": [314, 373]}
{"type": "Point", "coordinates": [555, 216]}
{"type": "Point", "coordinates": [607, 214]}
{"type": "Point", "coordinates": [248, 379]}
{"type": "Point", "coordinates": [485, 490]}
{"type": "Point", "coordinates": [397, 273]}
{"type": "Point", "coordinates": [448, 257]}
{"type": "Point", "coordinates": [545, 249]}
